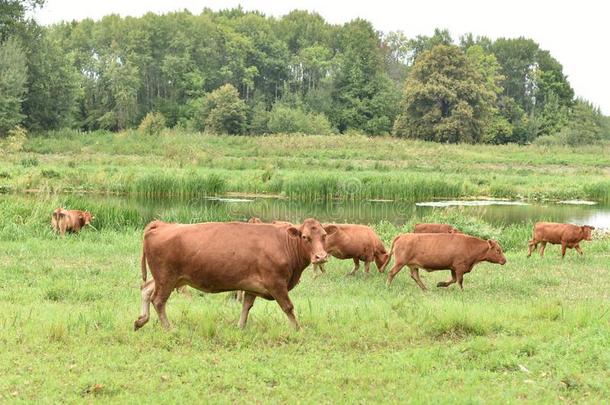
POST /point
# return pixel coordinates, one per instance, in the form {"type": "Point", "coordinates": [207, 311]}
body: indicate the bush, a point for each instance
{"type": "Point", "coordinates": [16, 139]}
{"type": "Point", "coordinates": [284, 119]}
{"type": "Point", "coordinates": [259, 119]}
{"type": "Point", "coordinates": [223, 112]}
{"type": "Point", "coordinates": [152, 124]}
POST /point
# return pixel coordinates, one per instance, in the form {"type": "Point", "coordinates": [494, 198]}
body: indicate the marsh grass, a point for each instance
{"type": "Point", "coordinates": [303, 167]}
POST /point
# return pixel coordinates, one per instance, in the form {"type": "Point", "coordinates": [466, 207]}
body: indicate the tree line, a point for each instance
{"type": "Point", "coordinates": [240, 72]}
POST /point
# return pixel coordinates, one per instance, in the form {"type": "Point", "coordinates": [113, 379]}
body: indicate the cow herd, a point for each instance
{"type": "Point", "coordinates": [267, 259]}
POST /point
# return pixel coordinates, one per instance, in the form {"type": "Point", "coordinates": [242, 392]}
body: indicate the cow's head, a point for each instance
{"type": "Point", "coordinates": [255, 220]}
{"type": "Point", "coordinates": [312, 237]}
{"type": "Point", "coordinates": [586, 231]}
{"type": "Point", "coordinates": [494, 253]}
{"type": "Point", "coordinates": [380, 260]}
{"type": "Point", "coordinates": [86, 218]}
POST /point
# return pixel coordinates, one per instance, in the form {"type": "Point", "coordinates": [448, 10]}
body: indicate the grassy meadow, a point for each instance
{"type": "Point", "coordinates": [535, 330]}
{"type": "Point", "coordinates": [300, 167]}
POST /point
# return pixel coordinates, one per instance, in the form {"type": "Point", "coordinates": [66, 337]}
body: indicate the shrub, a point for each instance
{"type": "Point", "coordinates": [16, 139]}
{"type": "Point", "coordinates": [152, 124]}
{"type": "Point", "coordinates": [284, 119]}
{"type": "Point", "coordinates": [223, 112]}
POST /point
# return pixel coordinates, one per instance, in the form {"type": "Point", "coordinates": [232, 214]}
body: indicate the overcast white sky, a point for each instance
{"type": "Point", "coordinates": [576, 32]}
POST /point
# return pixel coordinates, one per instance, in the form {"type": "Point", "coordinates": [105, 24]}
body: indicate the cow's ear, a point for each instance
{"type": "Point", "coordinates": [490, 242]}
{"type": "Point", "coordinates": [330, 229]}
{"type": "Point", "coordinates": [294, 232]}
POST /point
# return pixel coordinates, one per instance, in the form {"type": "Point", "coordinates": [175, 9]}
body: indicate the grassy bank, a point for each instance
{"type": "Point", "coordinates": [535, 330]}
{"type": "Point", "coordinates": [302, 167]}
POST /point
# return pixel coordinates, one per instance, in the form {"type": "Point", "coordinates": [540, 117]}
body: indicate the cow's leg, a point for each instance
{"type": "Point", "coordinates": [415, 276]}
{"type": "Point", "coordinates": [532, 246]}
{"type": "Point", "coordinates": [62, 227]}
{"type": "Point", "coordinates": [356, 267]}
{"type": "Point", "coordinates": [542, 247]}
{"type": "Point", "coordinates": [460, 279]}
{"type": "Point", "coordinates": [563, 249]}
{"type": "Point", "coordinates": [448, 283]}
{"type": "Point", "coordinates": [146, 292]}
{"type": "Point", "coordinates": [367, 267]}
{"type": "Point", "coordinates": [578, 249]}
{"type": "Point", "coordinates": [248, 301]}
{"type": "Point", "coordinates": [159, 299]}
{"type": "Point", "coordinates": [281, 296]}
{"type": "Point", "coordinates": [397, 267]}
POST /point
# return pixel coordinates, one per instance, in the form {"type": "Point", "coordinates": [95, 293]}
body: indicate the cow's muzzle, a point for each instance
{"type": "Point", "coordinates": [319, 258]}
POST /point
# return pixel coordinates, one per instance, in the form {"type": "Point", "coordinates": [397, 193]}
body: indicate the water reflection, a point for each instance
{"type": "Point", "coordinates": [394, 211]}
{"type": "Point", "coordinates": [365, 211]}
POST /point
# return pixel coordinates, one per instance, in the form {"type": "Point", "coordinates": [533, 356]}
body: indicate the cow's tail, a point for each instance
{"type": "Point", "coordinates": [143, 265]}
{"type": "Point", "coordinates": [389, 254]}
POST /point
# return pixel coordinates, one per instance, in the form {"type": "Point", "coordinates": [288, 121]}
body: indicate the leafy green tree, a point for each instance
{"type": "Point", "coordinates": [54, 84]}
{"type": "Point", "coordinates": [423, 43]}
{"type": "Point", "coordinates": [445, 98]}
{"type": "Point", "coordinates": [224, 112]}
{"type": "Point", "coordinates": [13, 78]}
{"type": "Point", "coordinates": [531, 75]}
{"type": "Point", "coordinates": [396, 48]}
{"type": "Point", "coordinates": [362, 93]}
{"type": "Point", "coordinates": [586, 125]}
{"type": "Point", "coordinates": [13, 16]}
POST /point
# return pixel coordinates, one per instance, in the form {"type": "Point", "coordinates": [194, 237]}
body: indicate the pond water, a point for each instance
{"type": "Point", "coordinates": [240, 208]}
{"type": "Point", "coordinates": [397, 212]}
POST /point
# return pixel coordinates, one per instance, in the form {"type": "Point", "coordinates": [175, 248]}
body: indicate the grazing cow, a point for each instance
{"type": "Point", "coordinates": [566, 235]}
{"type": "Point", "coordinates": [441, 251]}
{"type": "Point", "coordinates": [63, 220]}
{"type": "Point", "coordinates": [263, 260]}
{"type": "Point", "coordinates": [435, 228]}
{"type": "Point", "coordinates": [357, 242]}
{"type": "Point", "coordinates": [255, 220]}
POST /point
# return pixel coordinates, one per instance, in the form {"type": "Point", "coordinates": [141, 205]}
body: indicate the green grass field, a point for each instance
{"type": "Point", "coordinates": [535, 330]}
{"type": "Point", "coordinates": [302, 167]}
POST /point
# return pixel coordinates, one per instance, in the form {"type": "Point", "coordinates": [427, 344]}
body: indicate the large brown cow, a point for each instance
{"type": "Point", "coordinates": [435, 228]}
{"type": "Point", "coordinates": [441, 251]}
{"type": "Point", "coordinates": [63, 220]}
{"type": "Point", "coordinates": [566, 235]}
{"type": "Point", "coordinates": [263, 260]}
{"type": "Point", "coordinates": [356, 242]}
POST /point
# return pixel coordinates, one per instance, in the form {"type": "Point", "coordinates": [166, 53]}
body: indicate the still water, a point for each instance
{"type": "Point", "coordinates": [397, 212]}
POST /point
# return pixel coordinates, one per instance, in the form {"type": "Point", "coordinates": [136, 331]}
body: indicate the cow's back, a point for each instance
{"type": "Point", "coordinates": [433, 228]}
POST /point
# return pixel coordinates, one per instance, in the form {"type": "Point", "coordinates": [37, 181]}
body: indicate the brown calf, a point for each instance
{"type": "Point", "coordinates": [63, 220]}
{"type": "Point", "coordinates": [566, 235]}
{"type": "Point", "coordinates": [356, 242]}
{"type": "Point", "coordinates": [441, 251]}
